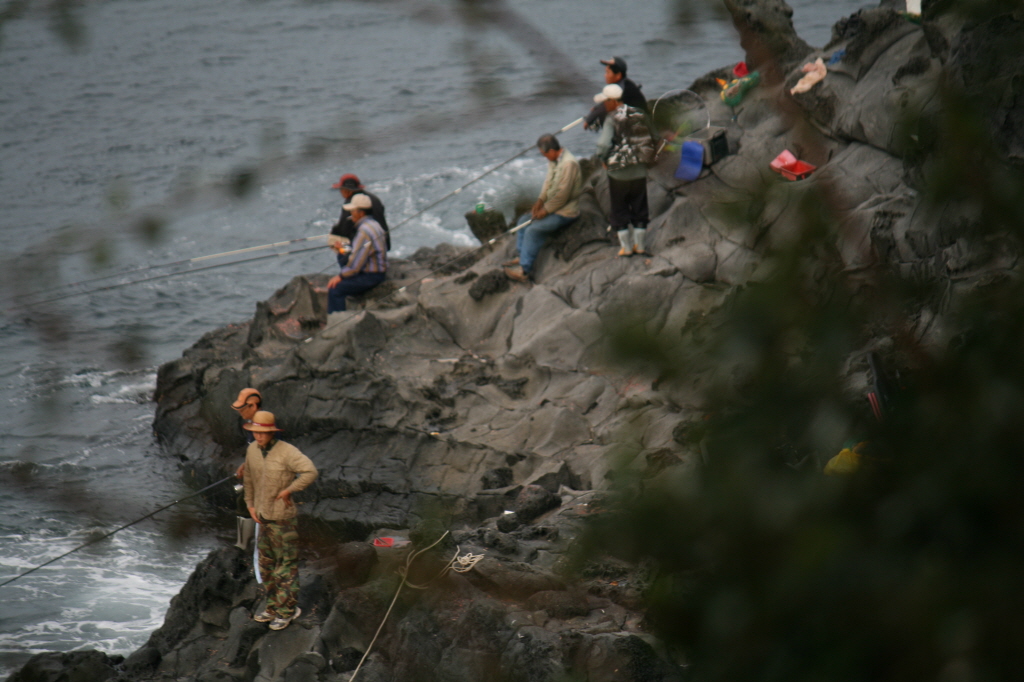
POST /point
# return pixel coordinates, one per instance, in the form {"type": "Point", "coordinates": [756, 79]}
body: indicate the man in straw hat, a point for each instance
{"type": "Point", "coordinates": [273, 471]}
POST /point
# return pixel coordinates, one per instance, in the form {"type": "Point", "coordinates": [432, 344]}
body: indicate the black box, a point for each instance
{"type": "Point", "coordinates": [714, 141]}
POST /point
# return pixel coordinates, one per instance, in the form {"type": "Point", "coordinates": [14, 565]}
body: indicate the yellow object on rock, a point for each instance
{"type": "Point", "coordinates": [846, 462]}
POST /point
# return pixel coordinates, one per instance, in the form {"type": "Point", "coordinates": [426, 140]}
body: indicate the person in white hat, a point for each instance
{"type": "Point", "coordinates": [626, 147]}
{"type": "Point", "coordinates": [273, 471]}
{"type": "Point", "coordinates": [366, 264]}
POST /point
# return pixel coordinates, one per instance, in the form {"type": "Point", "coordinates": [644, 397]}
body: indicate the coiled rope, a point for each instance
{"type": "Point", "coordinates": [462, 564]}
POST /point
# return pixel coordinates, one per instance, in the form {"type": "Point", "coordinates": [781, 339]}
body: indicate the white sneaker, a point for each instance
{"type": "Point", "coordinates": [282, 623]}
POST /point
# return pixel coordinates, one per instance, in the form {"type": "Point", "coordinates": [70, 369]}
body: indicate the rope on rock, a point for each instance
{"type": "Point", "coordinates": [462, 564]}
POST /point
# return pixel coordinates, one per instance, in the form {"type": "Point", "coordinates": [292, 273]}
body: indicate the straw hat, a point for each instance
{"type": "Point", "coordinates": [262, 421]}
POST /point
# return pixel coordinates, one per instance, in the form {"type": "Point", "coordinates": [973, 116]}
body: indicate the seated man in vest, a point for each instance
{"type": "Point", "coordinates": [557, 206]}
{"type": "Point", "coordinates": [366, 264]}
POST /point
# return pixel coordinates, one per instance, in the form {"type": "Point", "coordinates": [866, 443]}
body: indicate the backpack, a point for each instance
{"type": "Point", "coordinates": [634, 142]}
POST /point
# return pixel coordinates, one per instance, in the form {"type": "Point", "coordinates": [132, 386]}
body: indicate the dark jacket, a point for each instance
{"type": "Point", "coordinates": [631, 96]}
{"type": "Point", "coordinates": [346, 228]}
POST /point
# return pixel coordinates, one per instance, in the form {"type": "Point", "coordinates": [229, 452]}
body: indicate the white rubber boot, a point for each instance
{"type": "Point", "coordinates": [625, 242]}
{"type": "Point", "coordinates": [638, 240]}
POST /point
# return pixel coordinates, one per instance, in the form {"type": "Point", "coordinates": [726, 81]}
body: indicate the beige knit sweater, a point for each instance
{"type": "Point", "coordinates": [283, 467]}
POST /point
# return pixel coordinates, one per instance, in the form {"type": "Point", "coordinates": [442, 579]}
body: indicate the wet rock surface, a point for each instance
{"type": "Point", "coordinates": [490, 404]}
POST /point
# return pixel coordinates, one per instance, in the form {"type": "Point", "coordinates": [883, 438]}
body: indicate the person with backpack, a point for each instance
{"type": "Point", "coordinates": [627, 147]}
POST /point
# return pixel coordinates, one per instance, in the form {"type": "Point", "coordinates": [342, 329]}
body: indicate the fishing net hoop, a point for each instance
{"type": "Point", "coordinates": [693, 103]}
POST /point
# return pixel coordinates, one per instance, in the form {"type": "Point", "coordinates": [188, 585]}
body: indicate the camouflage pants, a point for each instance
{"type": "Point", "coordinates": [279, 565]}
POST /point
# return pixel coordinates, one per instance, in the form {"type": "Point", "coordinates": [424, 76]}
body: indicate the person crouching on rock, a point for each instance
{"type": "Point", "coordinates": [557, 206]}
{"type": "Point", "coordinates": [273, 471]}
{"type": "Point", "coordinates": [367, 262]}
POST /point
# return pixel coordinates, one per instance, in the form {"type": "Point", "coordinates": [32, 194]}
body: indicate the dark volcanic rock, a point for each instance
{"type": "Point", "coordinates": [464, 396]}
{"type": "Point", "coordinates": [76, 666]}
{"type": "Point", "coordinates": [533, 501]}
{"type": "Point", "coordinates": [767, 35]}
{"type": "Point", "coordinates": [559, 603]}
{"type": "Point", "coordinates": [493, 282]}
{"type": "Point", "coordinates": [486, 225]}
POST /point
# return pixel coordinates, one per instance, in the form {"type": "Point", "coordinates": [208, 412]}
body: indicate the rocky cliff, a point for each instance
{"type": "Point", "coordinates": [451, 398]}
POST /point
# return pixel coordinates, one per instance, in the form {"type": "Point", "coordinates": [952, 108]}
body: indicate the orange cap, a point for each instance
{"type": "Point", "coordinates": [244, 396]}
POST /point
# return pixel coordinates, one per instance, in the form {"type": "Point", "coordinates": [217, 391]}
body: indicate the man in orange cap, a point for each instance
{"type": "Point", "coordinates": [273, 471]}
{"type": "Point", "coordinates": [246, 405]}
{"type": "Point", "coordinates": [349, 186]}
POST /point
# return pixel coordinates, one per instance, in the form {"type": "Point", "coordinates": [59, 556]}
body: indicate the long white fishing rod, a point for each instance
{"type": "Point", "coordinates": [262, 247]}
{"type": "Point", "coordinates": [479, 177]}
{"type": "Point", "coordinates": [120, 285]}
{"type": "Point", "coordinates": [186, 261]}
{"type": "Point", "coordinates": [116, 530]}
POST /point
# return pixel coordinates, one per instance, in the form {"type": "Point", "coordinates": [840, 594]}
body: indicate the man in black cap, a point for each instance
{"type": "Point", "coordinates": [615, 74]}
{"type": "Point", "coordinates": [349, 186]}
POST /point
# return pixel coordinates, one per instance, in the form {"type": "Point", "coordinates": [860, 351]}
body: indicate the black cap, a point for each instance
{"type": "Point", "coordinates": [616, 64]}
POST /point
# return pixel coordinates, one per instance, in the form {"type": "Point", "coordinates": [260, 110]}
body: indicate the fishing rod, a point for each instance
{"type": "Point", "coordinates": [436, 270]}
{"type": "Point", "coordinates": [186, 261]}
{"type": "Point", "coordinates": [481, 176]}
{"type": "Point", "coordinates": [261, 247]}
{"type": "Point", "coordinates": [117, 530]}
{"type": "Point", "coordinates": [120, 285]}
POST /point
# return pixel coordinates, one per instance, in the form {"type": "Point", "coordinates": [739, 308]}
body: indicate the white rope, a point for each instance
{"type": "Point", "coordinates": [458, 564]}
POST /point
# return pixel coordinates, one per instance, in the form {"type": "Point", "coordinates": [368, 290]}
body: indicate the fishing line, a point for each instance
{"type": "Point", "coordinates": [186, 261]}
{"type": "Point", "coordinates": [119, 285]}
{"type": "Point", "coordinates": [250, 249]}
{"type": "Point", "coordinates": [116, 530]}
{"type": "Point", "coordinates": [481, 176]}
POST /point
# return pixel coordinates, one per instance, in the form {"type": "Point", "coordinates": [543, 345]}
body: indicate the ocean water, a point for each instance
{"type": "Point", "coordinates": [164, 95]}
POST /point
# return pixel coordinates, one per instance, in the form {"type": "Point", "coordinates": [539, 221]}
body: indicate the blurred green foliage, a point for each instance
{"type": "Point", "coordinates": [909, 569]}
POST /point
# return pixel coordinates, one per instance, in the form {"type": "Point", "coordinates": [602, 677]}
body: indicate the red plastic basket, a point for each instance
{"type": "Point", "coordinates": [791, 168]}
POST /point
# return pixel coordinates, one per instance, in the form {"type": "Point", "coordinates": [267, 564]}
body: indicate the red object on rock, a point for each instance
{"type": "Point", "coordinates": [383, 542]}
{"type": "Point", "coordinates": [790, 167]}
{"type": "Point", "coordinates": [740, 70]}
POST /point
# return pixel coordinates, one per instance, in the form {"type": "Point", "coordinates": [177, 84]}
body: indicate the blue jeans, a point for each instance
{"type": "Point", "coordinates": [535, 235]}
{"type": "Point", "coordinates": [356, 284]}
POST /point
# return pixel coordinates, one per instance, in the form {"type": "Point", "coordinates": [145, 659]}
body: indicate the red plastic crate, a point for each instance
{"type": "Point", "coordinates": [791, 168]}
